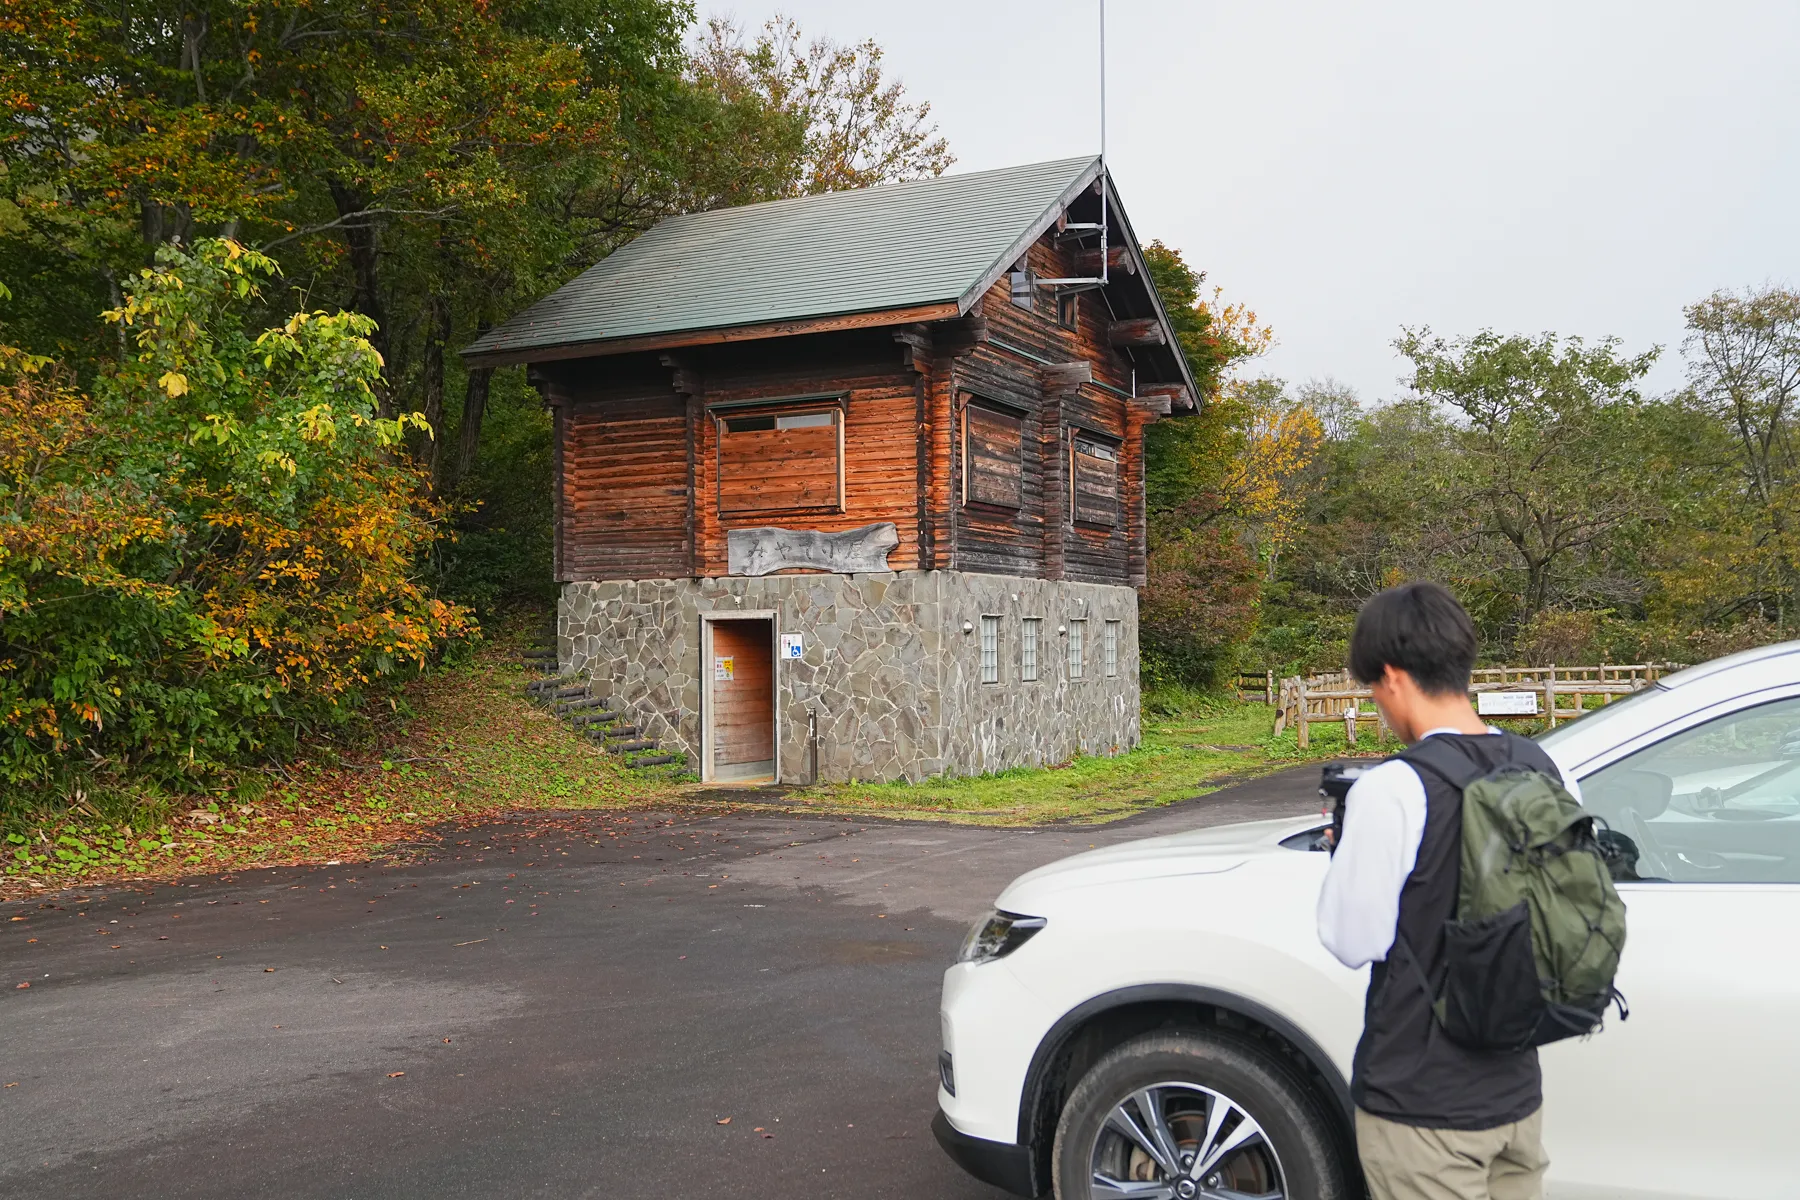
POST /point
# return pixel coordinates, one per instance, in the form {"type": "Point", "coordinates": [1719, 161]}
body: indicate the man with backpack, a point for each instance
{"type": "Point", "coordinates": [1468, 876]}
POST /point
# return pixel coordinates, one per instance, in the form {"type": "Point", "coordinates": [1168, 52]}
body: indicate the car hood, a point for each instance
{"type": "Point", "coordinates": [1197, 852]}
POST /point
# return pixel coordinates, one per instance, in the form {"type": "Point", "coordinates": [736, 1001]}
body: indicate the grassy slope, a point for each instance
{"type": "Point", "coordinates": [1182, 756]}
{"type": "Point", "coordinates": [472, 747]}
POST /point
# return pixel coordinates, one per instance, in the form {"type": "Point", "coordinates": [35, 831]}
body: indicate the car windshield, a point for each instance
{"type": "Point", "coordinates": [1550, 737]}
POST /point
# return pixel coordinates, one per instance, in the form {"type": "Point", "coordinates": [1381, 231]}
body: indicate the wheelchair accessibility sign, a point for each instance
{"type": "Point", "coordinates": [792, 645]}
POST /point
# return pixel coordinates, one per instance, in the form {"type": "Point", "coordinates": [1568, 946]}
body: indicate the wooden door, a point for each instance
{"type": "Point", "coordinates": [741, 724]}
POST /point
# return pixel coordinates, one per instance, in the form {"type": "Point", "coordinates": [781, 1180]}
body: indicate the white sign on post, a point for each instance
{"type": "Point", "coordinates": [1506, 704]}
{"type": "Point", "coordinates": [792, 645]}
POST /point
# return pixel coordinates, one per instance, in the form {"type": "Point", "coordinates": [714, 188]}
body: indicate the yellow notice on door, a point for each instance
{"type": "Point", "coordinates": [724, 667]}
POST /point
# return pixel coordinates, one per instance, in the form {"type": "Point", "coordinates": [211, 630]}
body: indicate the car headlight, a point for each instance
{"type": "Point", "coordinates": [997, 935]}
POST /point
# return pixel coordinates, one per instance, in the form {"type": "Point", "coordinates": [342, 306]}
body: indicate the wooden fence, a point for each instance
{"type": "Point", "coordinates": [1251, 688]}
{"type": "Point", "coordinates": [1335, 697]}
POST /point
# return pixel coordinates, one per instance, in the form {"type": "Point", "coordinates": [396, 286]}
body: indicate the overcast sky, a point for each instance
{"type": "Point", "coordinates": [1578, 166]}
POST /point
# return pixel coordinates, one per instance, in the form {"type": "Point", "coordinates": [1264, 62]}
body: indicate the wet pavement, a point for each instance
{"type": "Point", "coordinates": [718, 1004]}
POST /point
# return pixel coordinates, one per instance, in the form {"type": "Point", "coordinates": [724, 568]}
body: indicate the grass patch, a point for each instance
{"type": "Point", "coordinates": [1183, 754]}
{"type": "Point", "coordinates": [463, 745]}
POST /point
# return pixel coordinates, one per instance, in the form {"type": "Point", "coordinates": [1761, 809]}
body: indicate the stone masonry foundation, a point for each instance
{"type": "Point", "coordinates": [891, 667]}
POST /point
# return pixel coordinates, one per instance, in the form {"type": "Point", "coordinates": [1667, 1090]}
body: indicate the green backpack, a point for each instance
{"type": "Point", "coordinates": [1530, 956]}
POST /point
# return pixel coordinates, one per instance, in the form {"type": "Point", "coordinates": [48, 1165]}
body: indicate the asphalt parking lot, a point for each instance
{"type": "Point", "coordinates": [735, 1004]}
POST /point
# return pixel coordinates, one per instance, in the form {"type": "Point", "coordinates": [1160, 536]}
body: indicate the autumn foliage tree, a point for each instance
{"type": "Point", "coordinates": [210, 552]}
{"type": "Point", "coordinates": [1223, 487]}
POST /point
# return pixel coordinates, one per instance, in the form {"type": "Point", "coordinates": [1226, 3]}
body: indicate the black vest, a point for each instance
{"type": "Point", "coordinates": [1406, 1068]}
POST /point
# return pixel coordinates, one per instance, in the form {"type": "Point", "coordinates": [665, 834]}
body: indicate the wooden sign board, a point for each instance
{"type": "Point", "coordinates": [1506, 704]}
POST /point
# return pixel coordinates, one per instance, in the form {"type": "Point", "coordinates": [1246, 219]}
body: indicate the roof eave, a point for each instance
{"type": "Point", "coordinates": [1162, 314]}
{"type": "Point", "coordinates": [718, 335]}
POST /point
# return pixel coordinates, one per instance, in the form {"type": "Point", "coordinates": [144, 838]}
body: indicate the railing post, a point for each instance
{"type": "Point", "coordinates": [1350, 715]}
{"type": "Point", "coordinates": [1550, 693]}
{"type": "Point", "coordinates": [1269, 687]}
{"type": "Point", "coordinates": [1300, 718]}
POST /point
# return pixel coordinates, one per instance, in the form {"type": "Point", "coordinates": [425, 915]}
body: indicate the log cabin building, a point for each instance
{"type": "Point", "coordinates": [851, 486]}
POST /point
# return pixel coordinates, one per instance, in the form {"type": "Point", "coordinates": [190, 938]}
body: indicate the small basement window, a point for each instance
{"type": "Point", "coordinates": [993, 456]}
{"type": "Point", "coordinates": [1077, 649]}
{"type": "Point", "coordinates": [1093, 482]}
{"type": "Point", "coordinates": [1112, 649]}
{"type": "Point", "coordinates": [791, 460]}
{"type": "Point", "coordinates": [1030, 628]}
{"type": "Point", "coordinates": [990, 649]}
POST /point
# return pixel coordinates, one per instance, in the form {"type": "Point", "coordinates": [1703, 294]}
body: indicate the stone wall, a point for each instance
{"type": "Point", "coordinates": [888, 668]}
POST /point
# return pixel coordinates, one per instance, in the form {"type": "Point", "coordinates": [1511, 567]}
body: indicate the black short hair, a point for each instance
{"type": "Point", "coordinates": [1418, 628]}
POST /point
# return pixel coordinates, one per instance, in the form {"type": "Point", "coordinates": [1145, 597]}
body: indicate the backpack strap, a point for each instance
{"type": "Point", "coordinates": [1436, 755]}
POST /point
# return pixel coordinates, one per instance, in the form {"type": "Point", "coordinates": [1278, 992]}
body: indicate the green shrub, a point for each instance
{"type": "Point", "coordinates": [212, 552]}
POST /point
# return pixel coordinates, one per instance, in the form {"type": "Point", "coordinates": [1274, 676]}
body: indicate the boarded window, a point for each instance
{"type": "Point", "coordinates": [1093, 482]}
{"type": "Point", "coordinates": [1028, 648]}
{"type": "Point", "coordinates": [1112, 649]}
{"type": "Point", "coordinates": [1077, 649]}
{"type": "Point", "coordinates": [1068, 314]}
{"type": "Point", "coordinates": [781, 461]}
{"type": "Point", "coordinates": [990, 649]}
{"type": "Point", "coordinates": [993, 443]}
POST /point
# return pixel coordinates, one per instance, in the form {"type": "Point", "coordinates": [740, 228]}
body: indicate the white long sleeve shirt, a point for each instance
{"type": "Point", "coordinates": [1384, 822]}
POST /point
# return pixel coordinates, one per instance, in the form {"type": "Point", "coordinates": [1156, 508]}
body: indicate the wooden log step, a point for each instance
{"type": "Point", "coordinates": [605, 716]}
{"type": "Point", "coordinates": [614, 732]}
{"type": "Point", "coordinates": [561, 694]}
{"type": "Point", "coordinates": [576, 705]}
{"type": "Point", "coordinates": [654, 760]}
{"type": "Point", "coordinates": [629, 747]}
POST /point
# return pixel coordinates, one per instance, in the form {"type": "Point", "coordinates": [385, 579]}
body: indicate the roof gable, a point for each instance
{"type": "Point", "coordinates": [906, 245]}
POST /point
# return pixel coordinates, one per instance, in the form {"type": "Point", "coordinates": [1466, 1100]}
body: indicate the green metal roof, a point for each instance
{"type": "Point", "coordinates": [898, 246]}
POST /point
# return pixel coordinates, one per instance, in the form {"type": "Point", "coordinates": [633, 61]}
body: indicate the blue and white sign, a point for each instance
{"type": "Point", "coordinates": [792, 645]}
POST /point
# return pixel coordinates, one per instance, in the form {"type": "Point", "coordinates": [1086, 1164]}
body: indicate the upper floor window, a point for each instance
{"type": "Point", "coordinates": [1093, 481]}
{"type": "Point", "coordinates": [1068, 311]}
{"type": "Point", "coordinates": [992, 453]}
{"type": "Point", "coordinates": [786, 459]}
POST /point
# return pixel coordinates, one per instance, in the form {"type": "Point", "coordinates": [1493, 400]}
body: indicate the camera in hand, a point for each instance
{"type": "Point", "coordinates": [1335, 782]}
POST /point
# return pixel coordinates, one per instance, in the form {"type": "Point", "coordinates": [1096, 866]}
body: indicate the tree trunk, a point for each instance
{"type": "Point", "coordinates": [475, 398]}
{"type": "Point", "coordinates": [361, 237]}
{"type": "Point", "coordinates": [427, 450]}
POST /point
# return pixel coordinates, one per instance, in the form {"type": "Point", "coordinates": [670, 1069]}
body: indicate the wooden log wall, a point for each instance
{"type": "Point", "coordinates": [1040, 537]}
{"type": "Point", "coordinates": [639, 468]}
{"type": "Point", "coordinates": [880, 435]}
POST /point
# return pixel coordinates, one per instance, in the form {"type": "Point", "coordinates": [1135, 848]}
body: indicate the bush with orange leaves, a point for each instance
{"type": "Point", "coordinates": [214, 551]}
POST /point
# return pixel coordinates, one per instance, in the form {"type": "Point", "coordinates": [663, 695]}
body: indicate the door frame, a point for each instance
{"type": "Point", "coordinates": [707, 621]}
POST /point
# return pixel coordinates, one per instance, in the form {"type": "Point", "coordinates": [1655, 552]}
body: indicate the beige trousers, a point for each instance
{"type": "Point", "coordinates": [1404, 1162]}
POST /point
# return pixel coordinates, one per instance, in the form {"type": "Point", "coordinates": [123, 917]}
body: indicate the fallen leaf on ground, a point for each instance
{"type": "Point", "coordinates": [24, 985]}
{"type": "Point", "coordinates": [268, 970]}
{"type": "Point", "coordinates": [395, 1074]}
{"type": "Point", "coordinates": [722, 1120]}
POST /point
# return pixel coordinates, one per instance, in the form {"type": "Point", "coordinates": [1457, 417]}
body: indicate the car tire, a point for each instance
{"type": "Point", "coordinates": [1307, 1151]}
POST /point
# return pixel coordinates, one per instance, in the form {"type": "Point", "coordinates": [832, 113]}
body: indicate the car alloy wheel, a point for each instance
{"type": "Point", "coordinates": [1181, 1141]}
{"type": "Point", "coordinates": [1198, 1114]}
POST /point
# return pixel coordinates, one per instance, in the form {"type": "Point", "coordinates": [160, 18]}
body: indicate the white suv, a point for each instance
{"type": "Point", "coordinates": [1158, 1019]}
